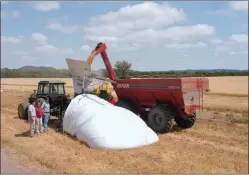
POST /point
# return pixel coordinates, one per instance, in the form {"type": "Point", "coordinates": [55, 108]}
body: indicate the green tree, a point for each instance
{"type": "Point", "coordinates": [122, 68]}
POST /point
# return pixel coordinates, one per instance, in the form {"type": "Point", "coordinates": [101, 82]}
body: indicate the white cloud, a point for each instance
{"type": "Point", "coordinates": [4, 2]}
{"type": "Point", "coordinates": [16, 14]}
{"type": "Point", "coordinates": [215, 54]}
{"type": "Point", "coordinates": [40, 38]}
{"type": "Point", "coordinates": [237, 45]}
{"type": "Point", "coordinates": [29, 58]}
{"type": "Point", "coordinates": [140, 14]}
{"type": "Point", "coordinates": [45, 6]}
{"type": "Point", "coordinates": [239, 5]}
{"type": "Point", "coordinates": [85, 47]}
{"type": "Point", "coordinates": [233, 7]}
{"type": "Point", "coordinates": [188, 32]}
{"type": "Point", "coordinates": [63, 28]}
{"type": "Point", "coordinates": [144, 23]}
{"type": "Point", "coordinates": [67, 51]}
{"type": "Point", "coordinates": [215, 41]}
{"type": "Point", "coordinates": [240, 38]}
{"type": "Point", "coordinates": [185, 45]}
{"type": "Point", "coordinates": [20, 53]}
{"type": "Point", "coordinates": [245, 52]}
{"type": "Point", "coordinates": [125, 47]}
{"type": "Point", "coordinates": [2, 14]}
{"type": "Point", "coordinates": [10, 39]}
{"type": "Point", "coordinates": [221, 48]}
{"type": "Point", "coordinates": [21, 37]}
{"type": "Point", "coordinates": [113, 1]}
{"type": "Point", "coordinates": [47, 49]}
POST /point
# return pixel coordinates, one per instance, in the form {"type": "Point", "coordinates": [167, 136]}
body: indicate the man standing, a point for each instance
{"type": "Point", "coordinates": [32, 118]}
{"type": "Point", "coordinates": [46, 109]}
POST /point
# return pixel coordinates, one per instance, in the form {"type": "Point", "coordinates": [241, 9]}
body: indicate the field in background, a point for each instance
{"type": "Point", "coordinates": [226, 92]}
{"type": "Point", "coordinates": [218, 143]}
{"type": "Point", "coordinates": [226, 85]}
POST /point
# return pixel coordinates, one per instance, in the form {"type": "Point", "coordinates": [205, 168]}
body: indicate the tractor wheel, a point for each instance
{"type": "Point", "coordinates": [123, 104]}
{"type": "Point", "coordinates": [186, 122]}
{"type": "Point", "coordinates": [23, 111]}
{"type": "Point", "coordinates": [160, 119]}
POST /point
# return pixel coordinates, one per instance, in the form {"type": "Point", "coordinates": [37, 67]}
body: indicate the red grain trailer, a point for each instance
{"type": "Point", "coordinates": [158, 101]}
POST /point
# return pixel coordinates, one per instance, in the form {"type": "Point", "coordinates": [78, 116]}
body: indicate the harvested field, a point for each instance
{"type": "Point", "coordinates": [226, 92]}
{"type": "Point", "coordinates": [218, 146]}
{"type": "Point", "coordinates": [229, 85]}
{"type": "Point", "coordinates": [219, 85]}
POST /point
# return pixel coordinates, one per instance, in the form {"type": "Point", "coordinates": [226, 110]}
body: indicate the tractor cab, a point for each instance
{"type": "Point", "coordinates": [54, 89]}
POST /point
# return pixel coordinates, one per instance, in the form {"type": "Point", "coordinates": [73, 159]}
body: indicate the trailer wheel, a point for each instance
{"type": "Point", "coordinates": [23, 111]}
{"type": "Point", "coordinates": [160, 119]}
{"type": "Point", "coordinates": [123, 104]}
{"type": "Point", "coordinates": [186, 122]}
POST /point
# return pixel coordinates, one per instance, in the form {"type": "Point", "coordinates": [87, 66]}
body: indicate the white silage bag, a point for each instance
{"type": "Point", "coordinates": [103, 125]}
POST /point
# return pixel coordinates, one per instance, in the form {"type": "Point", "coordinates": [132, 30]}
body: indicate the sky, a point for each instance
{"type": "Point", "coordinates": [151, 35]}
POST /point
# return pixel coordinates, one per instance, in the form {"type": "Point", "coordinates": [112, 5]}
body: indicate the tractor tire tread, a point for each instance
{"type": "Point", "coordinates": [187, 122]}
{"type": "Point", "coordinates": [25, 110]}
{"type": "Point", "coordinates": [169, 123]}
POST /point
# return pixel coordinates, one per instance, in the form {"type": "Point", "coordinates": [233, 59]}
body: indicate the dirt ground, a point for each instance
{"type": "Point", "coordinates": [218, 143]}
{"type": "Point", "coordinates": [12, 162]}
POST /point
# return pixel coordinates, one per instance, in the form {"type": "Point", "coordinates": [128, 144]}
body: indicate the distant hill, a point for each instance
{"type": "Point", "coordinates": [41, 71]}
{"type": "Point", "coordinates": [44, 68]}
{"type": "Point", "coordinates": [33, 68]}
{"type": "Point", "coordinates": [46, 72]}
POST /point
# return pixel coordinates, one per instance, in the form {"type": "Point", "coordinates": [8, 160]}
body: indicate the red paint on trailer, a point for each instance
{"type": "Point", "coordinates": [146, 93]}
{"type": "Point", "coordinates": [183, 95]}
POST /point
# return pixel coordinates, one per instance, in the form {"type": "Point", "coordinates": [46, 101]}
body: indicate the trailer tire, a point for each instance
{"type": "Point", "coordinates": [162, 113]}
{"type": "Point", "coordinates": [23, 111]}
{"type": "Point", "coordinates": [186, 122]}
{"type": "Point", "coordinates": [123, 104]}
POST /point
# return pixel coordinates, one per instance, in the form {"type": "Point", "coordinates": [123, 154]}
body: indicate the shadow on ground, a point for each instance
{"type": "Point", "coordinates": [24, 134]}
{"type": "Point", "coordinates": [176, 128]}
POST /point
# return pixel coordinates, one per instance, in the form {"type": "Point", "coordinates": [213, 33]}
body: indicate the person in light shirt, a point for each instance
{"type": "Point", "coordinates": [46, 109]}
{"type": "Point", "coordinates": [32, 118]}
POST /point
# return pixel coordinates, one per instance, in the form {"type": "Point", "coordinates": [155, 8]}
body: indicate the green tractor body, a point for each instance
{"type": "Point", "coordinates": [58, 99]}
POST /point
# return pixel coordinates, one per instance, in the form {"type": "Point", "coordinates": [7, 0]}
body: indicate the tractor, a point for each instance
{"type": "Point", "coordinates": [58, 99]}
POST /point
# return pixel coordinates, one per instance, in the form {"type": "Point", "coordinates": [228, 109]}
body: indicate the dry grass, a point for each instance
{"type": "Point", "coordinates": [206, 148]}
{"type": "Point", "coordinates": [226, 103]}
{"type": "Point", "coordinates": [226, 92]}
{"type": "Point", "coordinates": [229, 85]}
{"type": "Point", "coordinates": [227, 116]}
{"type": "Point", "coordinates": [234, 85]}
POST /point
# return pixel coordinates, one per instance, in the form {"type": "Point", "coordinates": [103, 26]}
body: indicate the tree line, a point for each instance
{"type": "Point", "coordinates": [122, 69]}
